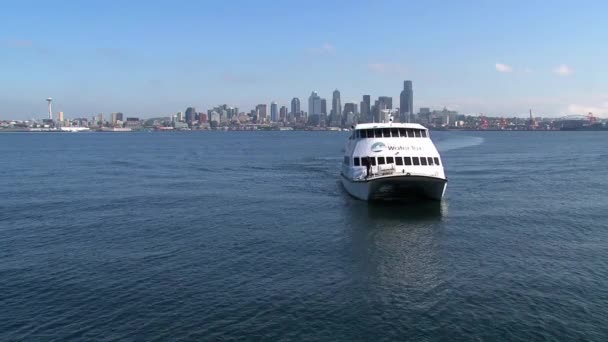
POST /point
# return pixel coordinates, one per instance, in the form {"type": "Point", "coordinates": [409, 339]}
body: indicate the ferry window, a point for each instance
{"type": "Point", "coordinates": [407, 160]}
{"type": "Point", "coordinates": [390, 160]}
{"type": "Point", "coordinates": [423, 133]}
{"type": "Point", "coordinates": [364, 161]}
{"type": "Point", "coordinates": [423, 160]}
{"type": "Point", "coordinates": [356, 161]}
{"type": "Point", "coordinates": [417, 133]}
{"type": "Point", "coordinates": [380, 160]}
{"type": "Point", "coordinates": [436, 161]}
{"type": "Point", "coordinates": [399, 160]}
{"type": "Point", "coordinates": [402, 132]}
{"type": "Point", "coordinates": [410, 133]}
{"type": "Point", "coordinates": [395, 132]}
{"type": "Point", "coordinates": [372, 161]}
{"type": "Point", "coordinates": [416, 160]}
{"type": "Point", "coordinates": [386, 133]}
{"type": "Point", "coordinates": [363, 133]}
{"type": "Point", "coordinates": [346, 160]}
{"type": "Point", "coordinates": [378, 133]}
{"type": "Point", "coordinates": [430, 160]}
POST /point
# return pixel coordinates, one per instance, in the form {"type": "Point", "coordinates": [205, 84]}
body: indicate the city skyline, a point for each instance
{"type": "Point", "coordinates": [468, 57]}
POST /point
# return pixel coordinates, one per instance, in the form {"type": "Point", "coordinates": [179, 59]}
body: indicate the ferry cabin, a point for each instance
{"type": "Point", "coordinates": [376, 150]}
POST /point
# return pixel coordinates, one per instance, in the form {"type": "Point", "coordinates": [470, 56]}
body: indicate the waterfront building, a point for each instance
{"type": "Point", "coordinates": [406, 102]}
{"type": "Point", "coordinates": [180, 117]}
{"type": "Point", "coordinates": [190, 115]}
{"type": "Point", "coordinates": [274, 112]}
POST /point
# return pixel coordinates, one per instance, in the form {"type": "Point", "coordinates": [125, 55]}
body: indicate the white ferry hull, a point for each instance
{"type": "Point", "coordinates": [396, 187]}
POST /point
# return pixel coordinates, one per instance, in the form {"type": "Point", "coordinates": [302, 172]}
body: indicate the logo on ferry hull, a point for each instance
{"type": "Point", "coordinates": [378, 147]}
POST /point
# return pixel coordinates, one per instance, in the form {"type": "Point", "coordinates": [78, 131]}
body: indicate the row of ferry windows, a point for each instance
{"type": "Point", "coordinates": [389, 133]}
{"type": "Point", "coordinates": [364, 161]}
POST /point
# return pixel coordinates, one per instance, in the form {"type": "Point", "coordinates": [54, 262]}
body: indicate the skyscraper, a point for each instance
{"type": "Point", "coordinates": [336, 109]}
{"type": "Point", "coordinates": [274, 112]}
{"type": "Point", "coordinates": [314, 104]}
{"type": "Point", "coordinates": [261, 111]}
{"type": "Point", "coordinates": [366, 108]}
{"type": "Point", "coordinates": [383, 102]}
{"type": "Point", "coordinates": [283, 114]}
{"type": "Point", "coordinates": [406, 102]}
{"type": "Point", "coordinates": [113, 118]}
{"type": "Point", "coordinates": [295, 106]}
{"type": "Point", "coordinates": [323, 106]}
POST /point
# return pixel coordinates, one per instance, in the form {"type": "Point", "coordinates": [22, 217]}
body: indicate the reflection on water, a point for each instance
{"type": "Point", "coordinates": [397, 246]}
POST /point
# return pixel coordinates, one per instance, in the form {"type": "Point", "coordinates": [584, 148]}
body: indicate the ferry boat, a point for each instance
{"type": "Point", "coordinates": [392, 161]}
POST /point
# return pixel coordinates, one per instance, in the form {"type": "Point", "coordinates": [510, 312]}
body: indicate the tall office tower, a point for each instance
{"type": "Point", "coordinates": [100, 119]}
{"type": "Point", "coordinates": [274, 112]}
{"type": "Point", "coordinates": [283, 114]}
{"type": "Point", "coordinates": [336, 109]}
{"type": "Point", "coordinates": [49, 100]}
{"type": "Point", "coordinates": [190, 115]}
{"type": "Point", "coordinates": [366, 108]}
{"type": "Point", "coordinates": [119, 116]}
{"type": "Point", "coordinates": [113, 118]}
{"type": "Point", "coordinates": [323, 106]}
{"type": "Point", "coordinates": [60, 116]}
{"type": "Point", "coordinates": [262, 113]}
{"type": "Point", "coordinates": [180, 117]}
{"type": "Point", "coordinates": [295, 106]}
{"type": "Point", "coordinates": [315, 109]}
{"type": "Point", "coordinates": [406, 102]}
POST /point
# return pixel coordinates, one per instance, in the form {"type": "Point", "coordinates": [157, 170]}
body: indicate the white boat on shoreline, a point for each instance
{"type": "Point", "coordinates": [392, 161]}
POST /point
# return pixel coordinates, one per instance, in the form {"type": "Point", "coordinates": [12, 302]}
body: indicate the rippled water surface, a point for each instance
{"type": "Point", "coordinates": [234, 235]}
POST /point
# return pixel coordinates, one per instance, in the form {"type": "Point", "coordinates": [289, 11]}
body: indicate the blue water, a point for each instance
{"type": "Point", "coordinates": [249, 235]}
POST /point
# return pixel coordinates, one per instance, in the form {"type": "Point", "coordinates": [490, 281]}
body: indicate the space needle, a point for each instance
{"type": "Point", "coordinates": [49, 100]}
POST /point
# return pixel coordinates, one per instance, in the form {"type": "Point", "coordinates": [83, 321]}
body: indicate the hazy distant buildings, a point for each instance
{"type": "Point", "coordinates": [366, 109]}
{"type": "Point", "coordinates": [406, 102]}
{"type": "Point", "coordinates": [60, 116]}
{"type": "Point", "coordinates": [274, 112]}
{"type": "Point", "coordinates": [424, 115]}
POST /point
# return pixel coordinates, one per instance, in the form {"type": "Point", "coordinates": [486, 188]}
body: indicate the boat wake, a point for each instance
{"type": "Point", "coordinates": [454, 143]}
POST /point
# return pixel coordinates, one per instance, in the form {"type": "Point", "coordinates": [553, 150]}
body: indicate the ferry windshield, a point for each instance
{"type": "Point", "coordinates": [391, 133]}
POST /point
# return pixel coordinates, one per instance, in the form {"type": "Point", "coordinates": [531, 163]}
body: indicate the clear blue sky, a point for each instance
{"type": "Point", "coordinates": [153, 58]}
